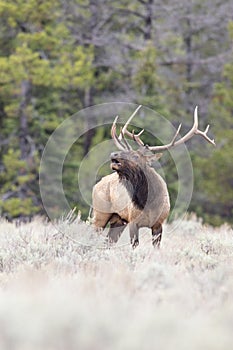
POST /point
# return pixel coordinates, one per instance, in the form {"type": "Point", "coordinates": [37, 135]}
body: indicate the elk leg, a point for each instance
{"type": "Point", "coordinates": [156, 235]}
{"type": "Point", "coordinates": [100, 219]}
{"type": "Point", "coordinates": [117, 226]}
{"type": "Point", "coordinates": [133, 232]}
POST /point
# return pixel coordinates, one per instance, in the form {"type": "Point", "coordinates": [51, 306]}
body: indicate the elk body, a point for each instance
{"type": "Point", "coordinates": [135, 194]}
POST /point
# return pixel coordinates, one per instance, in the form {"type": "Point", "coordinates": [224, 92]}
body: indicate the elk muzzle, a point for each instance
{"type": "Point", "coordinates": [115, 161]}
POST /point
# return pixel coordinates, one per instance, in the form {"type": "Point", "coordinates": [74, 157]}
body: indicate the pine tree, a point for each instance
{"type": "Point", "coordinates": [216, 182]}
{"type": "Point", "coordinates": [41, 76]}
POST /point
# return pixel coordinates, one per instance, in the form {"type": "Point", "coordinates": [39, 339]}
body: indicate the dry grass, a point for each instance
{"type": "Point", "coordinates": [56, 294]}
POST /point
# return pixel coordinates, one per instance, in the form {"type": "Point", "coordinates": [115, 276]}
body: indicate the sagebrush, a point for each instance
{"type": "Point", "coordinates": [58, 294]}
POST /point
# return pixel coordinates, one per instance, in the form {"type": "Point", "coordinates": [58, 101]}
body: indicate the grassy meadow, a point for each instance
{"type": "Point", "coordinates": [56, 294]}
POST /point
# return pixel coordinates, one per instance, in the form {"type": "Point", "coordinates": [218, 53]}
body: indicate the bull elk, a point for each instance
{"type": "Point", "coordinates": [135, 194]}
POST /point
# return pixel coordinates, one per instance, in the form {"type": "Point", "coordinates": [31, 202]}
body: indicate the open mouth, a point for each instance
{"type": "Point", "coordinates": [115, 163]}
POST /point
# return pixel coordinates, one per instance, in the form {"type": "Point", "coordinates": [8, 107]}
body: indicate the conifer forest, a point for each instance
{"type": "Point", "coordinates": [59, 57]}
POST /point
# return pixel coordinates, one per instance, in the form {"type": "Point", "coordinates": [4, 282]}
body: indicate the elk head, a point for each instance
{"type": "Point", "coordinates": [143, 156]}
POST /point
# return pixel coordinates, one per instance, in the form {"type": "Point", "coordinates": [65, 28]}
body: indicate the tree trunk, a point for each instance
{"type": "Point", "coordinates": [88, 101]}
{"type": "Point", "coordinates": [23, 119]}
{"type": "Point", "coordinates": [89, 91]}
{"type": "Point", "coordinates": [148, 20]}
{"type": "Point", "coordinates": [188, 39]}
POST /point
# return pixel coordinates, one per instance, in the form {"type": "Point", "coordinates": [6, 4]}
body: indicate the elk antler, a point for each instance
{"type": "Point", "coordinates": [117, 140]}
{"type": "Point", "coordinates": [193, 131]}
{"type": "Point", "coordinates": [122, 144]}
{"type": "Point", "coordinates": [120, 141]}
{"type": "Point", "coordinates": [132, 135]}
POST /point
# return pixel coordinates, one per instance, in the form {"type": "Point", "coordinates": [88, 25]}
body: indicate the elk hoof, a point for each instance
{"type": "Point", "coordinates": [156, 241]}
{"type": "Point", "coordinates": [135, 243]}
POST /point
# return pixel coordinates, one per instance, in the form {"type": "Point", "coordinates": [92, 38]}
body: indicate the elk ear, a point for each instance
{"type": "Point", "coordinates": [152, 158]}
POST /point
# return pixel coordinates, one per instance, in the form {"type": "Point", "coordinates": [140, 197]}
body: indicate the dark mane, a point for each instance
{"type": "Point", "coordinates": [135, 181]}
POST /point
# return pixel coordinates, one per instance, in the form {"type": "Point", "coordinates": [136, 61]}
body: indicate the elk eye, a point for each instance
{"type": "Point", "coordinates": [135, 157]}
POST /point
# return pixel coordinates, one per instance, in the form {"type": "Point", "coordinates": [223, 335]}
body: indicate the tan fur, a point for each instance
{"type": "Point", "coordinates": [110, 197]}
{"type": "Point", "coordinates": [136, 194]}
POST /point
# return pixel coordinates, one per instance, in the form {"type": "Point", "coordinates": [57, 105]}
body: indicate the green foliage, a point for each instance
{"type": "Point", "coordinates": [40, 51]}
{"type": "Point", "coordinates": [17, 179]}
{"type": "Point", "coordinates": [146, 81]}
{"type": "Point", "coordinates": [17, 207]}
{"type": "Point", "coordinates": [74, 69]}
{"type": "Point", "coordinates": [75, 54]}
{"type": "Point", "coordinates": [217, 168]}
{"type": "Point", "coordinates": [12, 164]}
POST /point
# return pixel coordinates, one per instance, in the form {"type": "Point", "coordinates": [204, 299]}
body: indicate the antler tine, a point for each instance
{"type": "Point", "coordinates": [169, 145]}
{"type": "Point", "coordinates": [115, 138]}
{"type": "Point", "coordinates": [193, 131]}
{"type": "Point", "coordinates": [176, 134]}
{"type": "Point", "coordinates": [204, 133]}
{"type": "Point", "coordinates": [137, 139]}
{"type": "Point", "coordinates": [124, 130]}
{"type": "Point", "coordinates": [132, 135]}
{"type": "Point", "coordinates": [125, 145]}
{"type": "Point", "coordinates": [124, 140]}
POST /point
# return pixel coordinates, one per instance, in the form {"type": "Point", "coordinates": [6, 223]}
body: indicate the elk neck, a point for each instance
{"type": "Point", "coordinates": [135, 181]}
